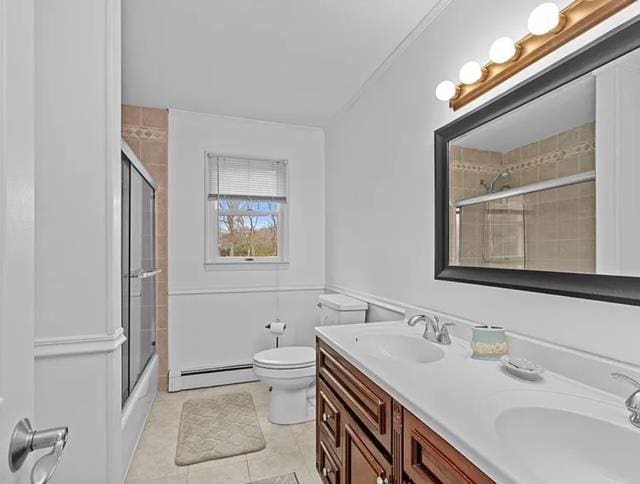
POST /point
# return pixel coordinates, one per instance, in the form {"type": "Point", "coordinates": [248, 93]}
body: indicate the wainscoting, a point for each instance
{"type": "Point", "coordinates": [214, 333]}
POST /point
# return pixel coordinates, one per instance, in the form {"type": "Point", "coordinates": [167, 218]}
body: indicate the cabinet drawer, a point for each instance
{"type": "Point", "coordinates": [367, 401]}
{"type": "Point", "coordinates": [329, 418]}
{"type": "Point", "coordinates": [328, 467]}
{"type": "Point", "coordinates": [429, 459]}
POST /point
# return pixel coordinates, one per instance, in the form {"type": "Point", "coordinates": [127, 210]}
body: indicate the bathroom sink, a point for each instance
{"type": "Point", "coordinates": [398, 347]}
{"type": "Point", "coordinates": [558, 445]}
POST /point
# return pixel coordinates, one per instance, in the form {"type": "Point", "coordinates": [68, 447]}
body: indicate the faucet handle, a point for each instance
{"type": "Point", "coordinates": [446, 325]}
{"type": "Point", "coordinates": [626, 378]}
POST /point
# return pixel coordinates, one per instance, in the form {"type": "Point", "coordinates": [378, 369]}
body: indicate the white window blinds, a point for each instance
{"type": "Point", "coordinates": [241, 178]}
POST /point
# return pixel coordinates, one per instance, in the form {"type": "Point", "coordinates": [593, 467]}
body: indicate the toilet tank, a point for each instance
{"type": "Point", "coordinates": [339, 309]}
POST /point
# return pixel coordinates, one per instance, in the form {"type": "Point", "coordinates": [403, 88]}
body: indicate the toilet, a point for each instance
{"type": "Point", "coordinates": [291, 370]}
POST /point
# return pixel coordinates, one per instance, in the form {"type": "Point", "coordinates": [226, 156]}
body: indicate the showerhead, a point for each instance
{"type": "Point", "coordinates": [491, 188]}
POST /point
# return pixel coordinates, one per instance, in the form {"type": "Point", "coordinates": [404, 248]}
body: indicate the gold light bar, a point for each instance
{"type": "Point", "coordinates": [576, 18]}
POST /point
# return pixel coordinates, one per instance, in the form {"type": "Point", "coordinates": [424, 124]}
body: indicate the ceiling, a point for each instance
{"type": "Point", "coordinates": [295, 61]}
{"type": "Point", "coordinates": [565, 108]}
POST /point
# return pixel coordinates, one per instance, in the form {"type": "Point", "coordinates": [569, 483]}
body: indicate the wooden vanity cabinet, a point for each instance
{"type": "Point", "coordinates": [364, 437]}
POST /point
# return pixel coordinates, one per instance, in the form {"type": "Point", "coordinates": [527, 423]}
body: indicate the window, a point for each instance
{"type": "Point", "coordinates": [246, 210]}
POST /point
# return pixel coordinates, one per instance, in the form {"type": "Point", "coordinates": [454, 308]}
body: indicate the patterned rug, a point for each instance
{"type": "Point", "coordinates": [285, 479]}
{"type": "Point", "coordinates": [218, 427]}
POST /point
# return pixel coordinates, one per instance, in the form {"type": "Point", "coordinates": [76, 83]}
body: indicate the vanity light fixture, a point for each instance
{"type": "Point", "coordinates": [546, 18]}
{"type": "Point", "coordinates": [549, 27]}
{"type": "Point", "coordinates": [471, 72]}
{"type": "Point", "coordinates": [504, 50]}
{"type": "Point", "coordinates": [446, 91]}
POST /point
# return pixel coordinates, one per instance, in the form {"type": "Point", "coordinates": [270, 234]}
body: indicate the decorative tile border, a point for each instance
{"type": "Point", "coordinates": [145, 133]}
{"type": "Point", "coordinates": [551, 157]}
{"type": "Point", "coordinates": [535, 161]}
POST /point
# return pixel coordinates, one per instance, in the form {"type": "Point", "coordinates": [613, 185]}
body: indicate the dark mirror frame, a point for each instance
{"type": "Point", "coordinates": [617, 289]}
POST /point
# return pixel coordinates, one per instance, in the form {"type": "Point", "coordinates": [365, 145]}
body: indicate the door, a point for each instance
{"type": "Point", "coordinates": [139, 271]}
{"type": "Point", "coordinates": [363, 462]}
{"type": "Point", "coordinates": [17, 105]}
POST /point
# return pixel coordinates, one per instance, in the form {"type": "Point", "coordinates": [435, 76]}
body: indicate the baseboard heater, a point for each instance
{"type": "Point", "coordinates": [210, 377]}
{"type": "Point", "coordinates": [217, 369]}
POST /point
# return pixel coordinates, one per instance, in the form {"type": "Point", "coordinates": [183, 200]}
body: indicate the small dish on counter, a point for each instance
{"type": "Point", "coordinates": [521, 367]}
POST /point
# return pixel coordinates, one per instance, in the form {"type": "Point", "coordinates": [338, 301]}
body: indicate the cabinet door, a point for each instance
{"type": "Point", "coordinates": [328, 467]}
{"type": "Point", "coordinates": [429, 459]}
{"type": "Point", "coordinates": [363, 463]}
{"type": "Point", "coordinates": [329, 421]}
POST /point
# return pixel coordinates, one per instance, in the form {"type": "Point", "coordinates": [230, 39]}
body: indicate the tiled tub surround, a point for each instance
{"type": "Point", "coordinates": [146, 132]}
{"type": "Point", "coordinates": [461, 398]}
{"type": "Point", "coordinates": [559, 224]}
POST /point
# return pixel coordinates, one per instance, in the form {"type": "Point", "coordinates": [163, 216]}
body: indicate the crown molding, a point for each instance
{"type": "Point", "coordinates": [427, 20]}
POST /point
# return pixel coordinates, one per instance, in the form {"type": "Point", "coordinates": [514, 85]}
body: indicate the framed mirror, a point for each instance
{"type": "Point", "coordinates": [539, 189]}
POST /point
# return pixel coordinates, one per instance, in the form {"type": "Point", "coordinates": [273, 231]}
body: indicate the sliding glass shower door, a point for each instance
{"type": "Point", "coordinates": [138, 275]}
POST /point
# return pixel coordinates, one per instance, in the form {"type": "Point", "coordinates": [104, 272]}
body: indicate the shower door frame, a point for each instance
{"type": "Point", "coordinates": [611, 288]}
{"type": "Point", "coordinates": [146, 177]}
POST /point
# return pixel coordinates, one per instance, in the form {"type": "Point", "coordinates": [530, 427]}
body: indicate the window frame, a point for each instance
{"type": "Point", "coordinates": [213, 260]}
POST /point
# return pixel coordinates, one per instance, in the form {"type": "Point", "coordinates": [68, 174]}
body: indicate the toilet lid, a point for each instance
{"type": "Point", "coordinates": [287, 357]}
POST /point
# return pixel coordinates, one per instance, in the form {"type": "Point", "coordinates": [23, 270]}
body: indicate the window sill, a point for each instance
{"type": "Point", "coordinates": [246, 266]}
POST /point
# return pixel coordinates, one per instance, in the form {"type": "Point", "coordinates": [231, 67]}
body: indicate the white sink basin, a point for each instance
{"type": "Point", "coordinates": [398, 347]}
{"type": "Point", "coordinates": [562, 446]}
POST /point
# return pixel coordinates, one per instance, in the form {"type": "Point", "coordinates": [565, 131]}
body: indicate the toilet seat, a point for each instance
{"type": "Point", "coordinates": [286, 358]}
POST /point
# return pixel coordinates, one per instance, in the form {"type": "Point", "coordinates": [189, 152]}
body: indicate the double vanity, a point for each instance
{"type": "Point", "coordinates": [393, 407]}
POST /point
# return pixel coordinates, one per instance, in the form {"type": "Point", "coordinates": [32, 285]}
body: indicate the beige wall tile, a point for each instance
{"type": "Point", "coordinates": [154, 152]}
{"type": "Point", "coordinates": [587, 161]}
{"type": "Point", "coordinates": [548, 171]}
{"type": "Point", "coordinates": [131, 115]}
{"type": "Point", "coordinates": [568, 138]}
{"type": "Point", "coordinates": [530, 150]}
{"type": "Point", "coordinates": [568, 166]}
{"type": "Point", "coordinates": [587, 132]}
{"type": "Point", "coordinates": [514, 156]}
{"type": "Point", "coordinates": [549, 144]}
{"type": "Point", "coordinates": [155, 118]}
{"type": "Point", "coordinates": [135, 145]}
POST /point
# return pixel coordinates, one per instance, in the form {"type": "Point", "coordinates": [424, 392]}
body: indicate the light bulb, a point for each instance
{"type": "Point", "coordinates": [446, 91]}
{"type": "Point", "coordinates": [544, 18]}
{"type": "Point", "coordinates": [471, 72]}
{"type": "Point", "coordinates": [502, 50]}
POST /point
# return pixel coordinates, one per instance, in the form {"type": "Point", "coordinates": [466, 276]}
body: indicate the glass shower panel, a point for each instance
{"type": "Point", "coordinates": [142, 314]}
{"type": "Point", "coordinates": [503, 235]}
{"type": "Point", "coordinates": [126, 175]}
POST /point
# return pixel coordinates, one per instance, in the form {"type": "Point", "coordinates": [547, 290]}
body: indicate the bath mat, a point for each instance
{"type": "Point", "coordinates": [284, 479]}
{"type": "Point", "coordinates": [217, 427]}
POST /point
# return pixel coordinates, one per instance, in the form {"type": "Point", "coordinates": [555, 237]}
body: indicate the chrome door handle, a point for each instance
{"type": "Point", "coordinates": [145, 275]}
{"type": "Point", "coordinates": [25, 440]}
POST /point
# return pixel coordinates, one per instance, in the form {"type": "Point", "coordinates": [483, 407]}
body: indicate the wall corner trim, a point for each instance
{"type": "Point", "coordinates": [78, 345]}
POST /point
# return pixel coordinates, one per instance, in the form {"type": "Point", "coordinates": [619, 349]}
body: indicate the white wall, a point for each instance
{"type": "Point", "coordinates": [217, 317]}
{"type": "Point", "coordinates": [380, 179]}
{"type": "Point", "coordinates": [78, 334]}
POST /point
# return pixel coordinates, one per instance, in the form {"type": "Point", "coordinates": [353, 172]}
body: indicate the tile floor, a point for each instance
{"type": "Point", "coordinates": [289, 448]}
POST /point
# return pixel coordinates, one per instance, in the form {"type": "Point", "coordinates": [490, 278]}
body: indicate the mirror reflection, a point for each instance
{"type": "Point", "coordinates": [552, 185]}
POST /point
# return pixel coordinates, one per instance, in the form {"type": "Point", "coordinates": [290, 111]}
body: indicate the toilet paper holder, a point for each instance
{"type": "Point", "coordinates": [268, 326]}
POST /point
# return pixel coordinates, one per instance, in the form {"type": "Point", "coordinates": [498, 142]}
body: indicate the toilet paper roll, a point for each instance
{"type": "Point", "coordinates": [277, 328]}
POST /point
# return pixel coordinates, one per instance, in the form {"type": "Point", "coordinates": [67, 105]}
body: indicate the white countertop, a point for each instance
{"type": "Point", "coordinates": [460, 398]}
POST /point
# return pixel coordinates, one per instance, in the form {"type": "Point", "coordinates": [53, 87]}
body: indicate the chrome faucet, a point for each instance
{"type": "Point", "coordinates": [439, 332]}
{"type": "Point", "coordinates": [633, 402]}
